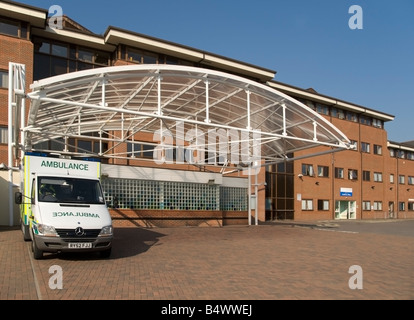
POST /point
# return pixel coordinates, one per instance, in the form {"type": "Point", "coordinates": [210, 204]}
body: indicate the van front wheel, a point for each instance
{"type": "Point", "coordinates": [37, 253]}
{"type": "Point", "coordinates": [105, 254]}
{"type": "Point", "coordinates": [25, 231]}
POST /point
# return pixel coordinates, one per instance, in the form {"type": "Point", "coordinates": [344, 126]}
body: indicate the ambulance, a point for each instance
{"type": "Point", "coordinates": [62, 205]}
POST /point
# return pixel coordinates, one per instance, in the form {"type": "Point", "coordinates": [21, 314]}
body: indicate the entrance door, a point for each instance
{"type": "Point", "coordinates": [345, 210]}
{"type": "Point", "coordinates": [391, 209]}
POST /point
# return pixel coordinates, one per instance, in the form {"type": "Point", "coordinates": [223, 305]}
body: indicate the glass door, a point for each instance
{"type": "Point", "coordinates": [345, 210]}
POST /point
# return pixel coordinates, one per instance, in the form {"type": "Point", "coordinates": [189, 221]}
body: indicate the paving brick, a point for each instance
{"type": "Point", "coordinates": [266, 262]}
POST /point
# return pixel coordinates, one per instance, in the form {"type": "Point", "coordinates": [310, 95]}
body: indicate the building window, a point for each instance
{"type": "Point", "coordinates": [307, 205]}
{"type": "Point", "coordinates": [59, 50]}
{"type": "Point", "coordinates": [168, 195]}
{"type": "Point", "coordinates": [323, 205]}
{"type": "Point", "coordinates": [366, 175]}
{"type": "Point", "coordinates": [134, 150]}
{"type": "Point", "coordinates": [377, 176]}
{"type": "Point", "coordinates": [377, 123]}
{"type": "Point", "coordinates": [401, 154]}
{"type": "Point", "coordinates": [365, 147]}
{"type": "Point", "coordinates": [392, 153]}
{"type": "Point", "coordinates": [323, 171]}
{"type": "Point", "coordinates": [377, 149]}
{"type": "Point", "coordinates": [233, 199]}
{"type": "Point", "coordinates": [410, 206]}
{"type": "Point", "coordinates": [351, 116]}
{"type": "Point", "coordinates": [391, 178]}
{"type": "Point", "coordinates": [339, 173]}
{"type": "Point", "coordinates": [55, 58]}
{"type": "Point", "coordinates": [4, 137]}
{"type": "Point", "coordinates": [365, 120]}
{"type": "Point", "coordinates": [410, 155]}
{"type": "Point", "coordinates": [411, 180]}
{"type": "Point", "coordinates": [366, 205]}
{"type": "Point", "coordinates": [13, 28]}
{"type": "Point", "coordinates": [353, 174]}
{"type": "Point", "coordinates": [4, 79]}
{"type": "Point", "coordinates": [355, 144]}
{"type": "Point", "coordinates": [337, 113]}
{"type": "Point", "coordinates": [377, 205]}
{"type": "Point", "coordinates": [307, 170]}
{"type": "Point", "coordinates": [139, 56]}
{"type": "Point", "coordinates": [322, 109]}
{"type": "Point", "coordinates": [401, 206]}
{"type": "Point", "coordinates": [310, 104]}
{"type": "Point", "coordinates": [401, 179]}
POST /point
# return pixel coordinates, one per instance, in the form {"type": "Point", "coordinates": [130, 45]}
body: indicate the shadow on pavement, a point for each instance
{"type": "Point", "coordinates": [127, 242]}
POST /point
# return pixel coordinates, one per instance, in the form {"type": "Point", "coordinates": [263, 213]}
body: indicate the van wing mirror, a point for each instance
{"type": "Point", "coordinates": [18, 198]}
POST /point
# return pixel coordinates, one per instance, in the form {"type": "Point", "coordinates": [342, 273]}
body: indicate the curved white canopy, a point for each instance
{"type": "Point", "coordinates": [117, 103]}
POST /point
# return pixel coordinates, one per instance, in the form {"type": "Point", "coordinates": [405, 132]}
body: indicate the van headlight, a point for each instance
{"type": "Point", "coordinates": [106, 231]}
{"type": "Point", "coordinates": [46, 230]}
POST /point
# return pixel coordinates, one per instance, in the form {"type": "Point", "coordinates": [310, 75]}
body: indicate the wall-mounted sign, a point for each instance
{"type": "Point", "coordinates": [345, 192]}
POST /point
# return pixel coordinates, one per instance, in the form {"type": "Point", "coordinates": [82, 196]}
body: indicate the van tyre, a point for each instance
{"type": "Point", "coordinates": [26, 232]}
{"type": "Point", "coordinates": [37, 253]}
{"type": "Point", "coordinates": [105, 253]}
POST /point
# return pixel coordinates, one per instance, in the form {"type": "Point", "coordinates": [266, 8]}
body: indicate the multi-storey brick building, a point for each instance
{"type": "Point", "coordinates": [373, 181]}
{"type": "Point", "coordinates": [376, 180]}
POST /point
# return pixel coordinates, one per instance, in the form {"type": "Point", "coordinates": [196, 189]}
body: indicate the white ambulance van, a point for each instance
{"type": "Point", "coordinates": [62, 206]}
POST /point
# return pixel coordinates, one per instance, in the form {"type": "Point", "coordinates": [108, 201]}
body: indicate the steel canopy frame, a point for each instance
{"type": "Point", "coordinates": [168, 101]}
{"type": "Point", "coordinates": [119, 102]}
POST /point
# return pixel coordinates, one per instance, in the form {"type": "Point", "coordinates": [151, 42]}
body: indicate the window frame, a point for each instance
{"type": "Point", "coordinates": [378, 149]}
{"type": "Point", "coordinates": [339, 173]}
{"type": "Point", "coordinates": [366, 205]}
{"type": "Point", "coordinates": [322, 205]}
{"type": "Point", "coordinates": [323, 171]}
{"type": "Point", "coordinates": [4, 74]}
{"type": "Point", "coordinates": [20, 26]}
{"type": "Point", "coordinates": [308, 170]}
{"type": "Point", "coordinates": [354, 173]}
{"type": "Point", "coordinates": [365, 147]}
{"type": "Point", "coordinates": [4, 133]}
{"type": "Point", "coordinates": [378, 177]}
{"type": "Point", "coordinates": [307, 205]}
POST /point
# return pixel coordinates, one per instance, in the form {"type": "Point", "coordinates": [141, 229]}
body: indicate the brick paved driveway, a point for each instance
{"type": "Point", "coordinates": [266, 262]}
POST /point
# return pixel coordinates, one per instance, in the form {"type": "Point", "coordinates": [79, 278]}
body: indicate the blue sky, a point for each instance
{"type": "Point", "coordinates": [308, 43]}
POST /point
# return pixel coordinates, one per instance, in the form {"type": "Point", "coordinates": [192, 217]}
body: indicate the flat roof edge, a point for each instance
{"type": "Point", "coordinates": [331, 100]}
{"type": "Point", "coordinates": [262, 73]}
{"type": "Point", "coordinates": [36, 16]}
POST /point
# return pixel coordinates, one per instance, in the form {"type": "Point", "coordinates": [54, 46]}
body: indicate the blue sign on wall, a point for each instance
{"type": "Point", "coordinates": [345, 192]}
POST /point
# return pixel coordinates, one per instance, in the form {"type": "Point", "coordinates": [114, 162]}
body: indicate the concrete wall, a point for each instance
{"type": "Point", "coordinates": [4, 199]}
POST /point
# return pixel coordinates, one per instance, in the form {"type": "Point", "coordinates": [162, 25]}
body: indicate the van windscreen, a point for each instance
{"type": "Point", "coordinates": [70, 190]}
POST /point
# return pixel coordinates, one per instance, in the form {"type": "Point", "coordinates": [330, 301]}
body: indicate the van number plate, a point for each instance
{"type": "Point", "coordinates": [80, 245]}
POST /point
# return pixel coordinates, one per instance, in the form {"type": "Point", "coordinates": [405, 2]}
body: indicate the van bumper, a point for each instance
{"type": "Point", "coordinates": [57, 244]}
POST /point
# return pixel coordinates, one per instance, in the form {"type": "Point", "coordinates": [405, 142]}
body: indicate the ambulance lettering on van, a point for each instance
{"type": "Point", "coordinates": [62, 206]}
{"type": "Point", "coordinates": [63, 165]}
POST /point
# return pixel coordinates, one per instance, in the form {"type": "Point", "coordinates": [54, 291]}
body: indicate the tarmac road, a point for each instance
{"type": "Point", "coordinates": [386, 227]}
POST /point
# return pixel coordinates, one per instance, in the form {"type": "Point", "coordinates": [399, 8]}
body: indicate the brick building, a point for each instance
{"type": "Point", "coordinates": [376, 180]}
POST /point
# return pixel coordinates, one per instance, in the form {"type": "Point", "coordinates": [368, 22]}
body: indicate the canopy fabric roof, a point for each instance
{"type": "Point", "coordinates": [117, 103]}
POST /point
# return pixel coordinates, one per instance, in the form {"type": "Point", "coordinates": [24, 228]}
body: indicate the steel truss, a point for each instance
{"type": "Point", "coordinates": [213, 114]}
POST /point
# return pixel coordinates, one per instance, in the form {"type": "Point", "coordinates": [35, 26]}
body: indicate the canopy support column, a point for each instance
{"type": "Point", "coordinates": [207, 120]}
{"type": "Point", "coordinates": [16, 100]}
